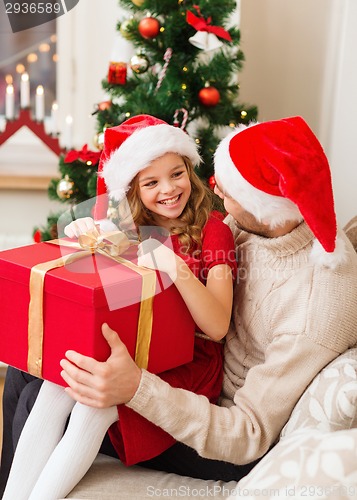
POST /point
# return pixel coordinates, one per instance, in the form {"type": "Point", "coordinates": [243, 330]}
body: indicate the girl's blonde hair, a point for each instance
{"type": "Point", "coordinates": [193, 217]}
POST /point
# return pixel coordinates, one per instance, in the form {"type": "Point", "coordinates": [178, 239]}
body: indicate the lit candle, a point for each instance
{"type": "Point", "coordinates": [10, 102]}
{"type": "Point", "coordinates": [54, 118]}
{"type": "Point", "coordinates": [40, 104]}
{"type": "Point", "coordinates": [68, 132]}
{"type": "Point", "coordinates": [25, 91]}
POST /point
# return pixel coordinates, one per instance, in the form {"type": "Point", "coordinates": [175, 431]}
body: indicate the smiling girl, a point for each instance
{"type": "Point", "coordinates": [148, 167]}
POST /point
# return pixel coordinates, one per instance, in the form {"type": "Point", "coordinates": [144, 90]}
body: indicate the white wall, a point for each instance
{"type": "Point", "coordinates": [342, 127]}
{"type": "Point", "coordinates": [301, 60]}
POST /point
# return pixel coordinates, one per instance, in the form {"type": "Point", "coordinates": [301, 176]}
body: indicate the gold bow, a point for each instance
{"type": "Point", "coordinates": [111, 245]}
{"type": "Point", "coordinates": [114, 243]}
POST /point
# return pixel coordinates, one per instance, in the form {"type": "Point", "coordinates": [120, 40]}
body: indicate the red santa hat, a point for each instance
{"type": "Point", "coordinates": [132, 146]}
{"type": "Point", "coordinates": [278, 172]}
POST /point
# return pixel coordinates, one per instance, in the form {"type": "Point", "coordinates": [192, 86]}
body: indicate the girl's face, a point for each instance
{"type": "Point", "coordinates": [165, 188]}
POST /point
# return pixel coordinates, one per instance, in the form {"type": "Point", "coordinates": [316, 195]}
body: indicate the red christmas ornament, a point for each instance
{"type": "Point", "coordinates": [149, 27]}
{"type": "Point", "coordinates": [212, 182]}
{"type": "Point", "coordinates": [117, 73]}
{"type": "Point", "coordinates": [209, 96]}
{"type": "Point", "coordinates": [37, 237]}
{"type": "Point", "coordinates": [102, 106]}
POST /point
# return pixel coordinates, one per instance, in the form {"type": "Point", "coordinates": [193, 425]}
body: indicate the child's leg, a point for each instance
{"type": "Point", "coordinates": [41, 433]}
{"type": "Point", "coordinates": [75, 453]}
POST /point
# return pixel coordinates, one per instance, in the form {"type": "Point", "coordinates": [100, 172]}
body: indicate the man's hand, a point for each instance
{"type": "Point", "coordinates": [102, 384]}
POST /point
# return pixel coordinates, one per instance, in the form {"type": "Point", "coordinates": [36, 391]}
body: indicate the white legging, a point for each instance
{"type": "Point", "coordinates": [47, 463]}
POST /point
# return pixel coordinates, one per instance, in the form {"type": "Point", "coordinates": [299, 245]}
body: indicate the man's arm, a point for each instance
{"type": "Point", "coordinates": [238, 434]}
{"type": "Point", "coordinates": [247, 429]}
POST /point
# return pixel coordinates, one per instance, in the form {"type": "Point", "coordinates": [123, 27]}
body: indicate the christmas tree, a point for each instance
{"type": "Point", "coordinates": [177, 60]}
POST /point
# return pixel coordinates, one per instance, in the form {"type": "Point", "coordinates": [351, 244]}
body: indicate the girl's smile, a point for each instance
{"type": "Point", "coordinates": [169, 202]}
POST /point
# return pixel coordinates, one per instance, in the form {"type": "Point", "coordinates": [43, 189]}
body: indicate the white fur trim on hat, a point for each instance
{"type": "Point", "coordinates": [141, 148]}
{"type": "Point", "coordinates": [329, 259]}
{"type": "Point", "coordinates": [268, 209]}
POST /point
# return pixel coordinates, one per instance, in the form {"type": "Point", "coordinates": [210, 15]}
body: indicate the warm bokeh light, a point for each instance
{"type": "Point", "coordinates": [44, 47]}
{"type": "Point", "coordinates": [32, 57]}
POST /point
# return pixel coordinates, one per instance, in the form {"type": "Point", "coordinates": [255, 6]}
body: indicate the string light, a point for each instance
{"type": "Point", "coordinates": [243, 114]}
{"type": "Point", "coordinates": [44, 47]}
{"type": "Point", "coordinates": [184, 86]}
{"type": "Point", "coordinates": [32, 57]}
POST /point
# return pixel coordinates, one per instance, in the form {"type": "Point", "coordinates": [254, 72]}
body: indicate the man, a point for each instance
{"type": "Point", "coordinates": [295, 309]}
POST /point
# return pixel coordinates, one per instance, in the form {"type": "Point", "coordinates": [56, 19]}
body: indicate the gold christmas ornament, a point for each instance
{"type": "Point", "coordinates": [98, 140]}
{"type": "Point", "coordinates": [138, 3]}
{"type": "Point", "coordinates": [125, 28]}
{"type": "Point", "coordinates": [139, 63]}
{"type": "Point", "coordinates": [65, 188]}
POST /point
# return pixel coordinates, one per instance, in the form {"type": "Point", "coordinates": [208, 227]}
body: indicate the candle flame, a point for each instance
{"type": "Point", "coordinates": [10, 89]}
{"type": "Point", "coordinates": [25, 77]}
{"type": "Point", "coordinates": [39, 90]}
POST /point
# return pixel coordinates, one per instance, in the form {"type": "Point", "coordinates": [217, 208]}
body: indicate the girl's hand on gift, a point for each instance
{"type": "Point", "coordinates": [155, 255]}
{"type": "Point", "coordinates": [79, 226]}
{"type": "Point", "coordinates": [102, 384]}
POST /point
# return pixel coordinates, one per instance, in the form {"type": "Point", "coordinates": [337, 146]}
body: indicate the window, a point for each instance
{"type": "Point", "coordinates": [32, 51]}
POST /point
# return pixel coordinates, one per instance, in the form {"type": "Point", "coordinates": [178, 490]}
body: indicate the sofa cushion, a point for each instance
{"type": "Point", "coordinates": [330, 401]}
{"type": "Point", "coordinates": [351, 231]}
{"type": "Point", "coordinates": [109, 479]}
{"type": "Point", "coordinates": [305, 464]}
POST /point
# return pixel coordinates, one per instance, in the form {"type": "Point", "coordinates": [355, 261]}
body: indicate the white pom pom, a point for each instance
{"type": "Point", "coordinates": [319, 255]}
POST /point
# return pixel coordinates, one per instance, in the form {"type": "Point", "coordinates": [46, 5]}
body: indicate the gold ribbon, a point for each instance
{"type": "Point", "coordinates": [110, 245]}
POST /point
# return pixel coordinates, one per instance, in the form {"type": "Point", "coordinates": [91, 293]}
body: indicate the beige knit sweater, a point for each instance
{"type": "Point", "coordinates": [290, 318]}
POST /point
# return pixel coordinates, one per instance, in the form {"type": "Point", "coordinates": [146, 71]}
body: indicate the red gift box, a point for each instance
{"type": "Point", "coordinates": [117, 73]}
{"type": "Point", "coordinates": [77, 299]}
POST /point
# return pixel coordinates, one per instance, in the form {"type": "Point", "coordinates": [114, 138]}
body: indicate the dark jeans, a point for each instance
{"type": "Point", "coordinates": [20, 392]}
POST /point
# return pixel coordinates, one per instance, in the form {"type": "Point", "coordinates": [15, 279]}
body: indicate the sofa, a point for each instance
{"type": "Point", "coordinates": [315, 457]}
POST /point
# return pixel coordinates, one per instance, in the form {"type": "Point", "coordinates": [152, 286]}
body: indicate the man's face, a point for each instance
{"type": "Point", "coordinates": [244, 220]}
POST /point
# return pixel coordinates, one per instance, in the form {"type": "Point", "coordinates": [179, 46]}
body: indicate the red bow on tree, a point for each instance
{"type": "Point", "coordinates": [202, 24]}
{"type": "Point", "coordinates": [84, 154]}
